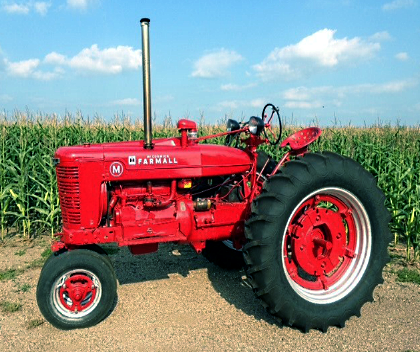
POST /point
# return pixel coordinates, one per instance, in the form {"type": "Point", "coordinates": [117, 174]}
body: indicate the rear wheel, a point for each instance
{"type": "Point", "coordinates": [317, 241]}
{"type": "Point", "coordinates": [76, 289]}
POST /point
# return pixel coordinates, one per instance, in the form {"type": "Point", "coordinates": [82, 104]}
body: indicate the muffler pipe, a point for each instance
{"type": "Point", "coordinates": [147, 102]}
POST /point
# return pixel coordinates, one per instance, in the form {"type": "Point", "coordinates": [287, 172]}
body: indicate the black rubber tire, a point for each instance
{"type": "Point", "coordinates": [90, 247]}
{"type": "Point", "coordinates": [59, 265]}
{"type": "Point", "coordinates": [218, 252]}
{"type": "Point", "coordinates": [266, 229]}
{"type": "Point", "coordinates": [101, 251]}
{"type": "Point", "coordinates": [261, 162]}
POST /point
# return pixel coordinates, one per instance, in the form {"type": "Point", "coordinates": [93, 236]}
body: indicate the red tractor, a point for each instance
{"type": "Point", "coordinates": [311, 229]}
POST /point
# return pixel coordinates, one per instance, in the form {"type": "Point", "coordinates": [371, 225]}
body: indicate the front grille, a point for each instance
{"type": "Point", "coordinates": [69, 191]}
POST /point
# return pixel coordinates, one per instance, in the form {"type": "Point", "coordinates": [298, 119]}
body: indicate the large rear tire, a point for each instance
{"type": "Point", "coordinates": [76, 289]}
{"type": "Point", "coordinates": [317, 241]}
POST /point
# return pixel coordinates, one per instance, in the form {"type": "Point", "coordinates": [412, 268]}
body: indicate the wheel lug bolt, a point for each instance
{"type": "Point", "coordinates": [323, 265]}
{"type": "Point", "coordinates": [318, 218]}
{"type": "Point", "coordinates": [302, 248]}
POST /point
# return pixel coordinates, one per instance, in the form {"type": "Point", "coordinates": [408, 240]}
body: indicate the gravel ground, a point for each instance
{"type": "Point", "coordinates": [174, 300]}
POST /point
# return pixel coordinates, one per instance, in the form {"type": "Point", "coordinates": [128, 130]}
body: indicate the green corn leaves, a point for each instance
{"type": "Point", "coordinates": [29, 202]}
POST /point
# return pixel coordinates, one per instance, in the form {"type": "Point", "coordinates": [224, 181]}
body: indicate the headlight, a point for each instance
{"type": "Point", "coordinates": [232, 125]}
{"type": "Point", "coordinates": [256, 125]}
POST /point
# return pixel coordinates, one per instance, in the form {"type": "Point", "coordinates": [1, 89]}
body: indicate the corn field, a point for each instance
{"type": "Point", "coordinates": [29, 203]}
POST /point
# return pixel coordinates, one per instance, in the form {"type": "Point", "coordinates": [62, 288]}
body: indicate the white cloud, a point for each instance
{"type": "Point", "coordinates": [29, 69]}
{"type": "Point", "coordinates": [398, 4]}
{"type": "Point", "coordinates": [2, 60]}
{"type": "Point", "coordinates": [389, 87]}
{"type": "Point", "coordinates": [127, 101]}
{"type": "Point", "coordinates": [228, 104]}
{"type": "Point", "coordinates": [47, 76]}
{"type": "Point", "coordinates": [236, 104]}
{"type": "Point", "coordinates": [90, 60]}
{"type": "Point", "coordinates": [14, 8]}
{"type": "Point", "coordinates": [163, 98]}
{"type": "Point", "coordinates": [258, 103]}
{"type": "Point", "coordinates": [236, 87]}
{"type": "Point", "coordinates": [42, 7]}
{"type": "Point", "coordinates": [402, 56]}
{"type": "Point", "coordinates": [303, 93]}
{"type": "Point", "coordinates": [23, 68]}
{"type": "Point", "coordinates": [319, 50]}
{"type": "Point", "coordinates": [303, 105]}
{"type": "Point", "coordinates": [108, 60]}
{"type": "Point", "coordinates": [81, 5]}
{"type": "Point", "coordinates": [315, 97]}
{"type": "Point", "coordinates": [5, 98]}
{"type": "Point", "coordinates": [55, 59]}
{"type": "Point", "coordinates": [215, 64]}
{"type": "Point", "coordinates": [380, 36]}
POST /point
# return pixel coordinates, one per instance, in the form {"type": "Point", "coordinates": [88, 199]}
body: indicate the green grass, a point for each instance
{"type": "Point", "coordinates": [10, 307]}
{"type": "Point", "coordinates": [46, 253]}
{"type": "Point", "coordinates": [20, 252]}
{"type": "Point", "coordinates": [32, 324]}
{"type": "Point", "coordinates": [36, 263]}
{"type": "Point", "coordinates": [10, 274]}
{"type": "Point", "coordinates": [408, 275]}
{"type": "Point", "coordinates": [24, 288]}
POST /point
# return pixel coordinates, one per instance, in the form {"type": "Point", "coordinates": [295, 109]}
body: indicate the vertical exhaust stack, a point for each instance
{"type": "Point", "coordinates": [147, 102]}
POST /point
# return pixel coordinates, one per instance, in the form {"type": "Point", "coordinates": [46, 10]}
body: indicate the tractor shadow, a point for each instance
{"type": "Point", "coordinates": [182, 260]}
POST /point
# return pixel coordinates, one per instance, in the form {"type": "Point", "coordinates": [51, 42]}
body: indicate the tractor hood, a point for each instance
{"type": "Point", "coordinates": [167, 160]}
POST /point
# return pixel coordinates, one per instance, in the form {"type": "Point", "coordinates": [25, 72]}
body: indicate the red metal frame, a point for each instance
{"type": "Point", "coordinates": [137, 197]}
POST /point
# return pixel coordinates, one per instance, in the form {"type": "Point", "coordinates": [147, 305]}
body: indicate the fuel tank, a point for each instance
{"type": "Point", "coordinates": [124, 161]}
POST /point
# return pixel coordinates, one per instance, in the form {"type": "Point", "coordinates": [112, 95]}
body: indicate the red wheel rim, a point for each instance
{"type": "Point", "coordinates": [76, 293]}
{"type": "Point", "coordinates": [326, 245]}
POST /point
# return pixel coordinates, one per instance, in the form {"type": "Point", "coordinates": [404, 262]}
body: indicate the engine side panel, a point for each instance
{"type": "Point", "coordinates": [172, 162]}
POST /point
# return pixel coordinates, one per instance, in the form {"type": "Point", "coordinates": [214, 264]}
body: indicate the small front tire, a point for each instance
{"type": "Point", "coordinates": [76, 289]}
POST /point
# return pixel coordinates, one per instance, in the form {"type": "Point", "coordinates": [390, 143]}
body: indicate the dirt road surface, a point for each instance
{"type": "Point", "coordinates": [174, 300]}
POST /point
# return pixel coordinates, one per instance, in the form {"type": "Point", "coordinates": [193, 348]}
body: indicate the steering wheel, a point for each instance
{"type": "Point", "coordinates": [270, 134]}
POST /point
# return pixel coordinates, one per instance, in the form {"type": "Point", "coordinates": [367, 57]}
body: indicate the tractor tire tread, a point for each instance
{"type": "Point", "coordinates": [261, 231]}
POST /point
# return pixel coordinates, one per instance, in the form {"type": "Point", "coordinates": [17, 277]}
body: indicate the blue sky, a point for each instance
{"type": "Point", "coordinates": [356, 61]}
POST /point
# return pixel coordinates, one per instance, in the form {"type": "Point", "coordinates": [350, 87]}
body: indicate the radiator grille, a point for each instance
{"type": "Point", "coordinates": [69, 191]}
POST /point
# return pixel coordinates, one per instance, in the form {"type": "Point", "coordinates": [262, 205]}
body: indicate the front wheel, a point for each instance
{"type": "Point", "coordinates": [76, 289]}
{"type": "Point", "coordinates": [317, 241]}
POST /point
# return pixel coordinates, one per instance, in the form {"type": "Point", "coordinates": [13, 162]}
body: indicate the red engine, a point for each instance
{"type": "Point", "coordinates": [177, 191]}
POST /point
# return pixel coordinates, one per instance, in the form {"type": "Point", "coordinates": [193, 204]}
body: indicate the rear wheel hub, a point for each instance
{"type": "Point", "coordinates": [321, 242]}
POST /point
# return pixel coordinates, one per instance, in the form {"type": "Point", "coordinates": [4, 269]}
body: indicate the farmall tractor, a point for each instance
{"type": "Point", "coordinates": [310, 229]}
